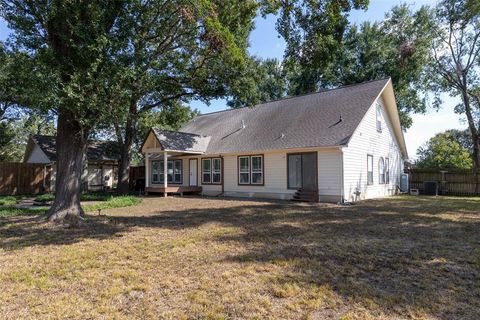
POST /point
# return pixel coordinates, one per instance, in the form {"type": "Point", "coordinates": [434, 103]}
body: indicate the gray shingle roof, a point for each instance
{"type": "Point", "coordinates": [311, 120]}
{"type": "Point", "coordinates": [96, 151]}
{"type": "Point", "coordinates": [181, 141]}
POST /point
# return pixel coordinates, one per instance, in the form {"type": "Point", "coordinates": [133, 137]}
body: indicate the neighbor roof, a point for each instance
{"type": "Point", "coordinates": [323, 119]}
{"type": "Point", "coordinates": [181, 141]}
{"type": "Point", "coordinates": [96, 151]}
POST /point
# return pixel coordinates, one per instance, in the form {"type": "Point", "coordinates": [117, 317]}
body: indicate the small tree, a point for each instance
{"type": "Point", "coordinates": [443, 151]}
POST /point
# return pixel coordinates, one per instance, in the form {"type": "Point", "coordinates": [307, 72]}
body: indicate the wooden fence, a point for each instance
{"type": "Point", "coordinates": [24, 178]}
{"type": "Point", "coordinates": [450, 181]}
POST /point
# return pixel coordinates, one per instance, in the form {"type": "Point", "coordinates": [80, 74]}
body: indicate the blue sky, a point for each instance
{"type": "Point", "coordinates": [264, 42]}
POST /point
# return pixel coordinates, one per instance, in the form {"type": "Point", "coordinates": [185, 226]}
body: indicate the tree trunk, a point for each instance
{"type": "Point", "coordinates": [71, 147]}
{"type": "Point", "coordinates": [125, 150]}
{"type": "Point", "coordinates": [471, 125]}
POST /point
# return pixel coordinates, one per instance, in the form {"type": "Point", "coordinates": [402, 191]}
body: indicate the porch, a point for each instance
{"type": "Point", "coordinates": [174, 190]}
{"type": "Point", "coordinates": [165, 152]}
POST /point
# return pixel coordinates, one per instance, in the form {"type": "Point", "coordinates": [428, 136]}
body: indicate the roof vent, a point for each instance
{"type": "Point", "coordinates": [243, 124]}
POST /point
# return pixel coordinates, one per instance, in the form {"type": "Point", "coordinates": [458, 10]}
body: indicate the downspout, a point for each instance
{"type": "Point", "coordinates": [342, 178]}
{"type": "Point", "coordinates": [223, 177]}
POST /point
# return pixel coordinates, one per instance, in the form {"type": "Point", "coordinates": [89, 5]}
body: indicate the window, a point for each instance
{"type": "Point", "coordinates": [155, 172]}
{"type": "Point", "coordinates": [244, 170]}
{"type": "Point", "coordinates": [387, 170]}
{"type": "Point", "coordinates": [369, 169]}
{"type": "Point", "coordinates": [250, 170]}
{"type": "Point", "coordinates": [206, 171]}
{"type": "Point", "coordinates": [381, 171]}
{"type": "Point", "coordinates": [379, 117]}
{"type": "Point", "coordinates": [216, 170]}
{"type": "Point", "coordinates": [212, 171]}
{"type": "Point", "coordinates": [177, 171]}
{"type": "Point", "coordinates": [174, 171]}
{"type": "Point", "coordinates": [257, 169]}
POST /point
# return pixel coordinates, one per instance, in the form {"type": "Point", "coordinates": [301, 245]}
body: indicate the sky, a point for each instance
{"type": "Point", "coordinates": [265, 43]}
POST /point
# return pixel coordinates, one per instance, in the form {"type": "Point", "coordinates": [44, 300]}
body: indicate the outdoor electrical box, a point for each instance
{"type": "Point", "coordinates": [404, 182]}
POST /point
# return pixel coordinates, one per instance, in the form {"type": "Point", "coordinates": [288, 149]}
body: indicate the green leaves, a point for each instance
{"type": "Point", "coordinates": [444, 151]}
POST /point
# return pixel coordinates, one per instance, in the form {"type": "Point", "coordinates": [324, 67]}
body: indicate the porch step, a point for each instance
{"type": "Point", "coordinates": [303, 195]}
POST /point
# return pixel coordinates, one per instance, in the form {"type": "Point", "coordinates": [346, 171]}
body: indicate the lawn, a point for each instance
{"type": "Point", "coordinates": [193, 258]}
{"type": "Point", "coordinates": [90, 202]}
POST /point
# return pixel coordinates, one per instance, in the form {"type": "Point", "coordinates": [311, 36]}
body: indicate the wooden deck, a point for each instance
{"type": "Point", "coordinates": [174, 189]}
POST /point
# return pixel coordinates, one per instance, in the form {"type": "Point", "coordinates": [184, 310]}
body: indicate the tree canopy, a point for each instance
{"type": "Point", "coordinates": [456, 69]}
{"type": "Point", "coordinates": [444, 151]}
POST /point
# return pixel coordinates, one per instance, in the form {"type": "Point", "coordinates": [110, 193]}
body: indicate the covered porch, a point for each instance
{"type": "Point", "coordinates": [165, 152]}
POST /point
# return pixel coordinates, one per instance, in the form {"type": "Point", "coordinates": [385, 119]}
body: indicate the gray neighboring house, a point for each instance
{"type": "Point", "coordinates": [101, 167]}
{"type": "Point", "coordinates": [344, 144]}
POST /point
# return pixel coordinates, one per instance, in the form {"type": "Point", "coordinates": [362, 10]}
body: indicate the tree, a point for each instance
{"type": "Point", "coordinates": [170, 52]}
{"type": "Point", "coordinates": [457, 61]}
{"type": "Point", "coordinates": [399, 47]}
{"type": "Point", "coordinates": [443, 151]}
{"type": "Point", "coordinates": [313, 31]}
{"type": "Point", "coordinates": [21, 129]}
{"type": "Point", "coordinates": [262, 80]}
{"type": "Point", "coordinates": [66, 43]}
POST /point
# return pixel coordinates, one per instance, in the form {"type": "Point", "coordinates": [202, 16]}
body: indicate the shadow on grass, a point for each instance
{"type": "Point", "coordinates": [400, 254]}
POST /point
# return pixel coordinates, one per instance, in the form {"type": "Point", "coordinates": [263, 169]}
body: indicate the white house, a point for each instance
{"type": "Point", "coordinates": [343, 144]}
{"type": "Point", "coordinates": [101, 163]}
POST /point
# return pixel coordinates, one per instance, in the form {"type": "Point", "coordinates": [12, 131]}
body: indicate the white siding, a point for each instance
{"type": "Point", "coordinates": [275, 175]}
{"type": "Point", "coordinates": [330, 175]}
{"type": "Point", "coordinates": [367, 140]}
{"type": "Point", "coordinates": [37, 156]}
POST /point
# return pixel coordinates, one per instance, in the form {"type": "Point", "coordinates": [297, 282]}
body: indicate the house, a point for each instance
{"type": "Point", "coordinates": [101, 163]}
{"type": "Point", "coordinates": [337, 145]}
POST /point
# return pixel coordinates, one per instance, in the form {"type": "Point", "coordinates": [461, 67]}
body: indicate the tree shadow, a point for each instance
{"type": "Point", "coordinates": [399, 255]}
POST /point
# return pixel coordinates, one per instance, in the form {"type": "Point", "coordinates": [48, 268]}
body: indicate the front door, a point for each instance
{"type": "Point", "coordinates": [302, 171]}
{"type": "Point", "coordinates": [193, 172]}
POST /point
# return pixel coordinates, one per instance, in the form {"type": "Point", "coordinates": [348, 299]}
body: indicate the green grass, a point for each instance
{"type": "Point", "coordinates": [9, 200]}
{"type": "Point", "coordinates": [92, 196]}
{"type": "Point", "coordinates": [12, 211]}
{"type": "Point", "coordinates": [112, 202]}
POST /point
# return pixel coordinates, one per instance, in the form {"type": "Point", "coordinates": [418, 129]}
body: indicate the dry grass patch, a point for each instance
{"type": "Point", "coordinates": [189, 258]}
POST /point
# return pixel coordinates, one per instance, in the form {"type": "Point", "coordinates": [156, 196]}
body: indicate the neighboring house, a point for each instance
{"type": "Point", "coordinates": [337, 145]}
{"type": "Point", "coordinates": [100, 168]}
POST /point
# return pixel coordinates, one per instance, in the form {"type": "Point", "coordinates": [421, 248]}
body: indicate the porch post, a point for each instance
{"type": "Point", "coordinates": [147, 172]}
{"type": "Point", "coordinates": [165, 168]}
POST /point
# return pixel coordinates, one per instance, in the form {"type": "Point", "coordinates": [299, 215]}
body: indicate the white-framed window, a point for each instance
{"type": "Point", "coordinates": [250, 170]}
{"type": "Point", "coordinates": [206, 170]}
{"type": "Point", "coordinates": [257, 169]}
{"type": "Point", "coordinates": [379, 117]}
{"type": "Point", "coordinates": [243, 170]}
{"type": "Point", "coordinates": [156, 171]}
{"type": "Point", "coordinates": [212, 171]}
{"type": "Point", "coordinates": [174, 171]}
{"type": "Point", "coordinates": [369, 169]}
{"type": "Point", "coordinates": [216, 170]}
{"type": "Point", "coordinates": [381, 171]}
{"type": "Point", "coordinates": [387, 170]}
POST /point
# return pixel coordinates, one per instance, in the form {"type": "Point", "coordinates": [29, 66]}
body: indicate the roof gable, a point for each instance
{"type": "Point", "coordinates": [179, 141]}
{"type": "Point", "coordinates": [96, 150]}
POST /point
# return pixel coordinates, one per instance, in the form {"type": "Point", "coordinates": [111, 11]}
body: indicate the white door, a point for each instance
{"type": "Point", "coordinates": [193, 172]}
